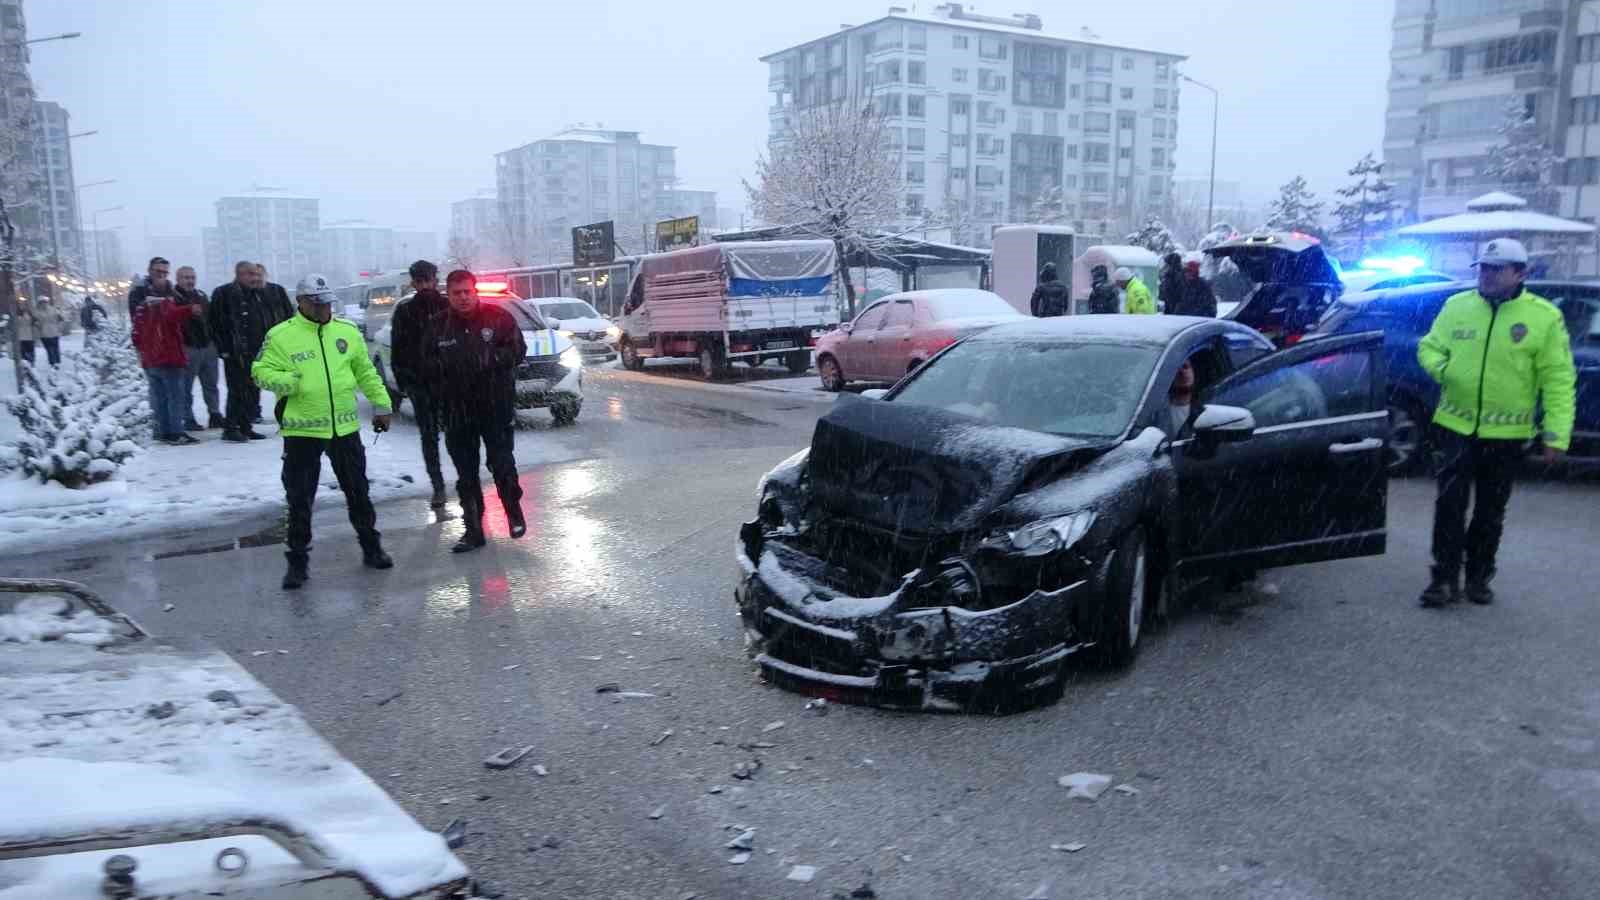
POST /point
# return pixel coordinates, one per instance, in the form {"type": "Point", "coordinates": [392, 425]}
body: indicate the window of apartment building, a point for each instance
{"type": "Point", "coordinates": [1127, 64]}
{"type": "Point", "coordinates": [989, 176]}
{"type": "Point", "coordinates": [1070, 182]}
{"type": "Point", "coordinates": [913, 204]}
{"type": "Point", "coordinates": [1075, 91]}
{"type": "Point", "coordinates": [989, 145]}
{"type": "Point", "coordinates": [958, 42]}
{"type": "Point", "coordinates": [958, 141]}
{"type": "Point", "coordinates": [888, 104]}
{"type": "Point", "coordinates": [991, 48]}
{"type": "Point", "coordinates": [836, 86]}
{"type": "Point", "coordinates": [1583, 171]}
{"type": "Point", "coordinates": [1127, 121]}
{"type": "Point", "coordinates": [1158, 127]}
{"type": "Point", "coordinates": [1124, 153]}
{"type": "Point", "coordinates": [1158, 157]}
{"type": "Point", "coordinates": [1074, 121]}
{"type": "Point", "coordinates": [916, 172]}
{"type": "Point", "coordinates": [1075, 60]}
{"type": "Point", "coordinates": [1072, 151]}
{"type": "Point", "coordinates": [889, 71]}
{"type": "Point", "coordinates": [1096, 153]}
{"type": "Point", "coordinates": [1024, 122]}
{"type": "Point", "coordinates": [1052, 124]}
{"type": "Point", "coordinates": [1585, 110]}
{"type": "Point", "coordinates": [893, 138]}
{"type": "Point", "coordinates": [916, 106]}
{"type": "Point", "coordinates": [1163, 70]}
{"type": "Point", "coordinates": [917, 72]}
{"type": "Point", "coordinates": [1126, 93]}
{"type": "Point", "coordinates": [1099, 92]}
{"type": "Point", "coordinates": [991, 114]}
{"type": "Point", "coordinates": [808, 62]}
{"type": "Point", "coordinates": [958, 174]}
{"type": "Point", "coordinates": [959, 106]}
{"type": "Point", "coordinates": [990, 80]}
{"type": "Point", "coordinates": [1589, 48]}
{"type": "Point", "coordinates": [835, 54]}
{"type": "Point", "coordinates": [958, 75]}
{"type": "Point", "coordinates": [1457, 118]}
{"type": "Point", "coordinates": [1161, 98]}
{"type": "Point", "coordinates": [1097, 123]}
{"type": "Point", "coordinates": [1158, 185]}
{"type": "Point", "coordinates": [1124, 183]}
{"type": "Point", "coordinates": [1096, 182]}
{"type": "Point", "coordinates": [1099, 60]}
{"type": "Point", "coordinates": [917, 37]}
{"type": "Point", "coordinates": [916, 138]}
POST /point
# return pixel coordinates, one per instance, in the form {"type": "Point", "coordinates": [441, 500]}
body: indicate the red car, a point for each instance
{"type": "Point", "coordinates": [899, 332]}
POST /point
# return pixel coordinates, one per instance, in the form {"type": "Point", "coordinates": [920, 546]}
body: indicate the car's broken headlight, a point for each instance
{"type": "Point", "coordinates": [1044, 536]}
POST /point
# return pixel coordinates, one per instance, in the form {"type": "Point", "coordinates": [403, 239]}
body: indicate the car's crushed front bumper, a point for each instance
{"type": "Point", "coordinates": [912, 648]}
{"type": "Point", "coordinates": [546, 382]}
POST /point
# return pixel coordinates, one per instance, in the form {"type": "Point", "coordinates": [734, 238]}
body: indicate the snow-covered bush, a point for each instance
{"type": "Point", "coordinates": [81, 422]}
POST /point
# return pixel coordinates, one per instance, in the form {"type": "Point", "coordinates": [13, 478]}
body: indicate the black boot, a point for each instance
{"type": "Point", "coordinates": [472, 518]}
{"type": "Point", "coordinates": [1479, 592]}
{"type": "Point", "coordinates": [373, 557]}
{"type": "Point", "coordinates": [1441, 590]}
{"type": "Point", "coordinates": [216, 421]}
{"type": "Point", "coordinates": [514, 518]}
{"type": "Point", "coordinates": [297, 574]}
{"type": "Point", "coordinates": [440, 497]}
{"type": "Point", "coordinates": [235, 436]}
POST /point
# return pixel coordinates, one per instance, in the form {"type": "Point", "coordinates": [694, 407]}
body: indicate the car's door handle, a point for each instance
{"type": "Point", "coordinates": [1362, 446]}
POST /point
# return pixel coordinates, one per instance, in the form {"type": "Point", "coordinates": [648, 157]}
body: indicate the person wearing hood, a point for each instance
{"type": "Point", "coordinates": [408, 328]}
{"type": "Point", "coordinates": [1102, 296]}
{"type": "Point", "coordinates": [1169, 287]}
{"type": "Point", "coordinates": [1197, 298]}
{"type": "Point", "coordinates": [1138, 299]}
{"type": "Point", "coordinates": [315, 363]}
{"type": "Point", "coordinates": [472, 351]}
{"type": "Point", "coordinates": [1050, 297]}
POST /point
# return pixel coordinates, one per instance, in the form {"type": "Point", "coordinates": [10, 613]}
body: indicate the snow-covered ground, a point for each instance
{"type": "Point", "coordinates": [172, 488]}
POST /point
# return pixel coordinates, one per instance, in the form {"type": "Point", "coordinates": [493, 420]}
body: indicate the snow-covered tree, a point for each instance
{"type": "Point", "coordinates": [462, 251]}
{"type": "Point", "coordinates": [1366, 207]}
{"type": "Point", "coordinates": [79, 423]}
{"type": "Point", "coordinates": [833, 175]}
{"type": "Point", "coordinates": [1048, 207]}
{"type": "Point", "coordinates": [1296, 209]}
{"type": "Point", "coordinates": [1155, 237]}
{"type": "Point", "coordinates": [1522, 161]}
{"type": "Point", "coordinates": [23, 244]}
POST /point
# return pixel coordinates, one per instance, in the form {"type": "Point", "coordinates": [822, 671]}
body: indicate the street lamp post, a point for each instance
{"type": "Point", "coordinates": [64, 36]}
{"type": "Point", "coordinates": [83, 246]}
{"type": "Point", "coordinates": [99, 257]}
{"type": "Point", "coordinates": [1211, 194]}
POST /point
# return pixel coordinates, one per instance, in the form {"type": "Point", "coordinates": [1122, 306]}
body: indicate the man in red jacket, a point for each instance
{"type": "Point", "coordinates": [158, 321]}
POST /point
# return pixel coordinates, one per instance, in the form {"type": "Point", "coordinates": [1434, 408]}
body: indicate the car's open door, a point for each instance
{"type": "Point", "coordinates": [1308, 483]}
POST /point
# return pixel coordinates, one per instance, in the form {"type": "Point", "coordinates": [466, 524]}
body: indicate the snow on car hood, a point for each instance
{"type": "Point", "coordinates": [922, 470]}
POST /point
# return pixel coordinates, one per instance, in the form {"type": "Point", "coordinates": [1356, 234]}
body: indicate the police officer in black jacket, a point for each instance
{"type": "Point", "coordinates": [1050, 297]}
{"type": "Point", "coordinates": [409, 327]}
{"type": "Point", "coordinates": [473, 350]}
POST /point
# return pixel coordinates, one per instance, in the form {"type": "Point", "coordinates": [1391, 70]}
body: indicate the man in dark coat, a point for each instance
{"type": "Point", "coordinates": [409, 327]}
{"type": "Point", "coordinates": [1169, 289]}
{"type": "Point", "coordinates": [473, 350]}
{"type": "Point", "coordinates": [240, 316]}
{"type": "Point", "coordinates": [1050, 297]}
{"type": "Point", "coordinates": [1102, 294]}
{"type": "Point", "coordinates": [202, 354]}
{"type": "Point", "coordinates": [1197, 298]}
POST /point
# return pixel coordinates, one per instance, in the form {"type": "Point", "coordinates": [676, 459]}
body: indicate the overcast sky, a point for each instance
{"type": "Point", "coordinates": [387, 111]}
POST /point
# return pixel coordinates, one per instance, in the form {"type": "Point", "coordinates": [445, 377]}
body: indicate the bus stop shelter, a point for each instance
{"type": "Point", "coordinates": [1453, 241]}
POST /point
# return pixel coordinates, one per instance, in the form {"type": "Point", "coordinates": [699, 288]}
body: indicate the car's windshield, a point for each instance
{"type": "Point", "coordinates": [1087, 389]}
{"type": "Point", "coordinates": [568, 309]}
{"type": "Point", "coordinates": [961, 304]}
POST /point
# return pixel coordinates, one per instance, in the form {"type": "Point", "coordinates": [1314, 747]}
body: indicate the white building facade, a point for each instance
{"type": "Point", "coordinates": [1458, 64]}
{"type": "Point", "coordinates": [282, 233]}
{"type": "Point", "coordinates": [993, 115]}
{"type": "Point", "coordinates": [578, 177]}
{"type": "Point", "coordinates": [59, 206]}
{"type": "Point", "coordinates": [352, 252]}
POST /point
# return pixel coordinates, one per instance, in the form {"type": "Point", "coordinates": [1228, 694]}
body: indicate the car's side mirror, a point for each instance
{"type": "Point", "coordinates": [875, 394]}
{"type": "Point", "coordinates": [847, 327]}
{"type": "Point", "coordinates": [1224, 424]}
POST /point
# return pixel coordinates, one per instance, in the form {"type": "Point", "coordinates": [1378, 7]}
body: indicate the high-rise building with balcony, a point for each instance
{"type": "Point", "coordinates": [279, 231]}
{"type": "Point", "coordinates": [1456, 67]}
{"type": "Point", "coordinates": [992, 115]}
{"type": "Point", "coordinates": [58, 206]}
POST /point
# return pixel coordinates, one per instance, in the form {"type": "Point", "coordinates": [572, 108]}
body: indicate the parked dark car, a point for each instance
{"type": "Point", "coordinates": [1404, 315]}
{"type": "Point", "coordinates": [1032, 492]}
{"type": "Point", "coordinates": [1294, 283]}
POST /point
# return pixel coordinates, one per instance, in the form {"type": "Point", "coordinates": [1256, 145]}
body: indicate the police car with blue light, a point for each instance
{"type": "Point", "coordinates": [550, 377]}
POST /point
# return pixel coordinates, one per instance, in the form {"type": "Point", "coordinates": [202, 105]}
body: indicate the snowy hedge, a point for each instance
{"type": "Point", "coordinates": [81, 422]}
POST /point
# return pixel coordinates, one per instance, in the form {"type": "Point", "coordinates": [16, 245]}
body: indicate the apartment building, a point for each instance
{"type": "Point", "coordinates": [993, 115]}
{"type": "Point", "coordinates": [58, 206]}
{"type": "Point", "coordinates": [279, 231]}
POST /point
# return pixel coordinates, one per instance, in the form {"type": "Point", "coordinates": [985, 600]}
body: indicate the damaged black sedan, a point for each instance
{"type": "Point", "coordinates": [1044, 489]}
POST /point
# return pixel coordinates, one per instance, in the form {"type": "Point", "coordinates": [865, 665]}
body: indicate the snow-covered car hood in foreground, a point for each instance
{"type": "Point", "coordinates": [121, 743]}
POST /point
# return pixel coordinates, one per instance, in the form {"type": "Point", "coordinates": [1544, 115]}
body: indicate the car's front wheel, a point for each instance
{"type": "Point", "coordinates": [565, 412]}
{"type": "Point", "coordinates": [832, 376]}
{"type": "Point", "coordinates": [631, 360]}
{"type": "Point", "coordinates": [713, 363]}
{"type": "Point", "coordinates": [1407, 447]}
{"type": "Point", "coordinates": [1122, 614]}
{"type": "Point", "coordinates": [798, 362]}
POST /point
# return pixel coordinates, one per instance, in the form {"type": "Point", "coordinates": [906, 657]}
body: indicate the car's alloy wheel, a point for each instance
{"type": "Point", "coordinates": [1122, 615]}
{"type": "Point", "coordinates": [832, 376]}
{"type": "Point", "coordinates": [1405, 447]}
{"type": "Point", "coordinates": [1136, 597]}
{"type": "Point", "coordinates": [631, 359]}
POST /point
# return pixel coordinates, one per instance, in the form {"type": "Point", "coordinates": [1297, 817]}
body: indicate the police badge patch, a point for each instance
{"type": "Point", "coordinates": [1518, 332]}
{"type": "Point", "coordinates": [486, 333]}
{"type": "Point", "coordinates": [342, 345]}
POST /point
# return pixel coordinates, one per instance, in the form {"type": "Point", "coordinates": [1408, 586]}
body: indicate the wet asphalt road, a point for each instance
{"type": "Point", "coordinates": [1315, 735]}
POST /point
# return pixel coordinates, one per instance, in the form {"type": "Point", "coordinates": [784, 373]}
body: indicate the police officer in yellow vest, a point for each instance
{"type": "Point", "coordinates": [315, 363]}
{"type": "Point", "coordinates": [1497, 353]}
